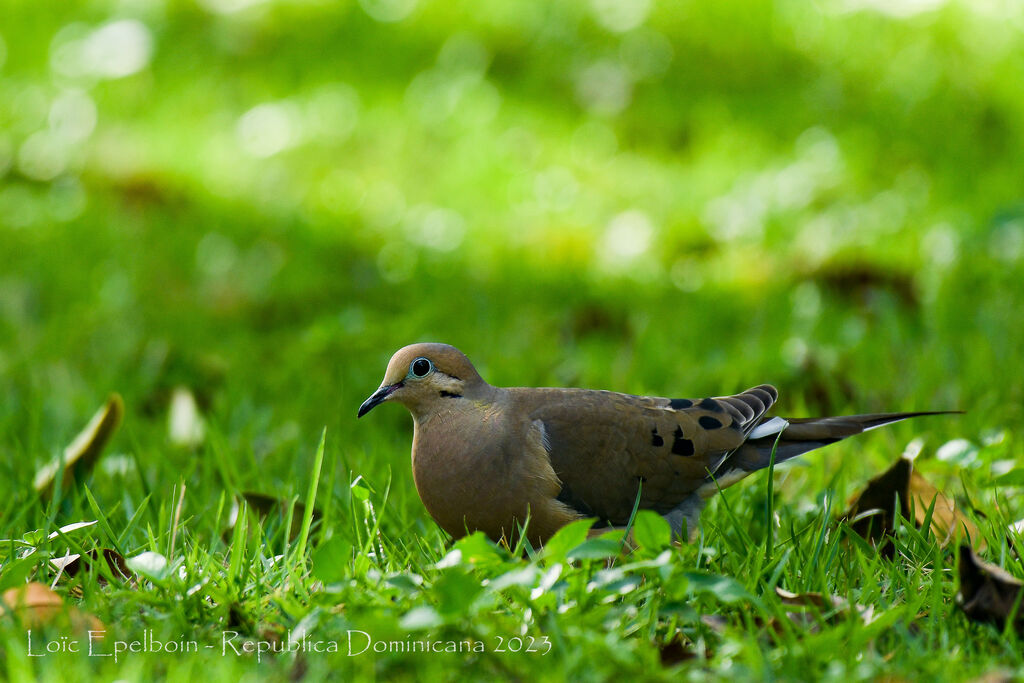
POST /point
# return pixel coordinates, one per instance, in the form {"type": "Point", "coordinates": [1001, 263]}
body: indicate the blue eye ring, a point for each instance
{"type": "Point", "coordinates": [421, 367]}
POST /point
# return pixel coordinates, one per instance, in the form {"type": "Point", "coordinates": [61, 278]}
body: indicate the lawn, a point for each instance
{"type": "Point", "coordinates": [230, 213]}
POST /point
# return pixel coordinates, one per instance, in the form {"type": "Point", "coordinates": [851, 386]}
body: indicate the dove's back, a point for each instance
{"type": "Point", "coordinates": [607, 447]}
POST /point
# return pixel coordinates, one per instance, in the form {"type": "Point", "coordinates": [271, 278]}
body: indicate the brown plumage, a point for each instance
{"type": "Point", "coordinates": [484, 457]}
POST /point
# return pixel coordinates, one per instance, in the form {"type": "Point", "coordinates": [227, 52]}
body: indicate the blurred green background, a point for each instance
{"type": "Point", "coordinates": [261, 200]}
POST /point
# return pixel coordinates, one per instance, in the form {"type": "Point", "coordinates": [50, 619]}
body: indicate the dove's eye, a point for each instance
{"type": "Point", "coordinates": [421, 367]}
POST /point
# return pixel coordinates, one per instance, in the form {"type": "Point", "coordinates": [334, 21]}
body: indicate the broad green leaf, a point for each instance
{"type": "Point", "coordinates": [405, 582]}
{"type": "Point", "coordinates": [723, 588]}
{"type": "Point", "coordinates": [651, 531]}
{"type": "Point", "coordinates": [15, 572]}
{"type": "Point", "coordinates": [331, 559]}
{"type": "Point", "coordinates": [568, 537]}
{"type": "Point", "coordinates": [477, 549]}
{"type": "Point", "coordinates": [455, 590]}
{"type": "Point", "coordinates": [525, 577]}
{"type": "Point", "coordinates": [421, 618]}
{"type": "Point", "coordinates": [596, 549]}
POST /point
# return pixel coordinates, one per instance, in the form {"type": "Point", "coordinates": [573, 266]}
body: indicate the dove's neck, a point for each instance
{"type": "Point", "coordinates": [472, 401]}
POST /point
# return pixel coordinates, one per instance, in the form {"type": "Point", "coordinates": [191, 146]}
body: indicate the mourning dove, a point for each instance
{"type": "Point", "coordinates": [486, 458]}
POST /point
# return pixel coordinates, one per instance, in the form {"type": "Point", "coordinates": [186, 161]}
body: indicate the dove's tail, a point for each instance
{"type": "Point", "coordinates": [799, 435]}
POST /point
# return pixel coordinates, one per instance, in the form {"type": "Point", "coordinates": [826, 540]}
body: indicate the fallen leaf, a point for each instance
{"type": "Point", "coordinates": [70, 565]}
{"type": "Point", "coordinates": [997, 676]}
{"type": "Point", "coordinates": [150, 564]}
{"type": "Point", "coordinates": [715, 622]}
{"type": "Point", "coordinates": [675, 652]}
{"type": "Point", "coordinates": [989, 593]}
{"type": "Point", "coordinates": [947, 522]}
{"type": "Point", "coordinates": [68, 528]}
{"type": "Point", "coordinates": [811, 599]}
{"type": "Point", "coordinates": [84, 452]}
{"type": "Point", "coordinates": [873, 512]}
{"type": "Point", "coordinates": [185, 425]}
{"type": "Point", "coordinates": [35, 605]}
{"type": "Point", "coordinates": [829, 607]}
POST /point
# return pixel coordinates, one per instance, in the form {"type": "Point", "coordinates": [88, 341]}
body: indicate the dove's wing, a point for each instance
{"type": "Point", "coordinates": [606, 446]}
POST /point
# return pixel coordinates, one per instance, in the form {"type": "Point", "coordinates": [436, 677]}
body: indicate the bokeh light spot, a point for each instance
{"type": "Point", "coordinates": [627, 237]}
{"type": "Point", "coordinates": [556, 188]}
{"type": "Point", "coordinates": [620, 15]}
{"type": "Point", "coordinates": [117, 49]}
{"type": "Point", "coordinates": [267, 129]}
{"type": "Point", "coordinates": [73, 116]}
{"type": "Point", "coordinates": [333, 111]}
{"type": "Point", "coordinates": [388, 10]}
{"type": "Point", "coordinates": [216, 255]}
{"type": "Point", "coordinates": [604, 88]}
{"type": "Point", "coordinates": [435, 227]}
{"type": "Point", "coordinates": [43, 156]}
{"type": "Point", "coordinates": [646, 53]}
{"type": "Point", "coordinates": [892, 8]}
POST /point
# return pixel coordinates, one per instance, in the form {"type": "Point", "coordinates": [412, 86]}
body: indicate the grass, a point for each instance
{"type": "Point", "coordinates": [826, 201]}
{"type": "Point", "coordinates": [587, 611]}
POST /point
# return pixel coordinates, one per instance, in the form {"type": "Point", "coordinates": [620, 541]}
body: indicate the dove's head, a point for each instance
{"type": "Point", "coordinates": [419, 375]}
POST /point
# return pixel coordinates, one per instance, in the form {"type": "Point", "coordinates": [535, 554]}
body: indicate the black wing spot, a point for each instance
{"type": "Point", "coordinates": [679, 403]}
{"type": "Point", "coordinates": [656, 439]}
{"type": "Point", "coordinates": [681, 446]}
{"type": "Point", "coordinates": [711, 404]}
{"type": "Point", "coordinates": [448, 394]}
{"type": "Point", "coordinates": [708, 422]}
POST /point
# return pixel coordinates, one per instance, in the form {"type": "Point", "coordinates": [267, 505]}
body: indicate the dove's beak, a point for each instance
{"type": "Point", "coordinates": [378, 396]}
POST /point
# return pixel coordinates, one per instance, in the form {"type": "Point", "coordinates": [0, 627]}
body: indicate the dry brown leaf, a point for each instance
{"type": "Point", "coordinates": [947, 523]}
{"type": "Point", "coordinates": [997, 676]}
{"type": "Point", "coordinates": [675, 652]}
{"type": "Point", "coordinates": [810, 599]}
{"type": "Point", "coordinates": [84, 452]}
{"type": "Point", "coordinates": [34, 605]}
{"type": "Point", "coordinates": [831, 605]}
{"type": "Point", "coordinates": [872, 513]}
{"type": "Point", "coordinates": [987, 592]}
{"type": "Point", "coordinates": [715, 622]}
